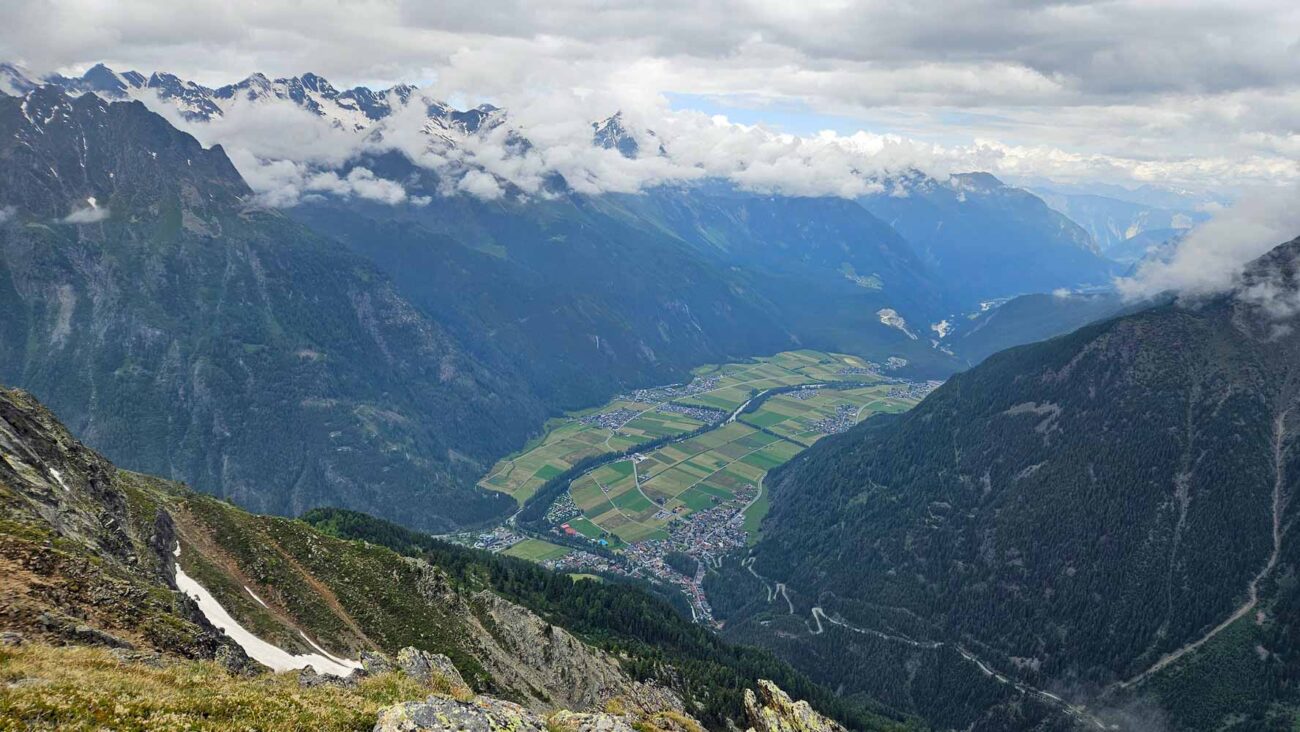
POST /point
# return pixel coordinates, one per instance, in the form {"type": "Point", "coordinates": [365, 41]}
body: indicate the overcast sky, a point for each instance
{"type": "Point", "coordinates": [1199, 94]}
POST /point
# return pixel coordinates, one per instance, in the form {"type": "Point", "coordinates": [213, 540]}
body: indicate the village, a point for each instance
{"type": "Point", "coordinates": [707, 536]}
{"type": "Point", "coordinates": [612, 522]}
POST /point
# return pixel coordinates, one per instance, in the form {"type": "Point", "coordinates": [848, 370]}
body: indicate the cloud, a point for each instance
{"type": "Point", "coordinates": [1203, 94]}
{"type": "Point", "coordinates": [92, 213]}
{"type": "Point", "coordinates": [1212, 257]}
{"type": "Point", "coordinates": [286, 183]}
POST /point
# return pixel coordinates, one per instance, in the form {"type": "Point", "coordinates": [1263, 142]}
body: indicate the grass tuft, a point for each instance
{"type": "Point", "coordinates": [45, 688]}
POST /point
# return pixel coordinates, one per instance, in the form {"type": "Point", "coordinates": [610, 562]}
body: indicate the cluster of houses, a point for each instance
{"type": "Point", "coordinates": [675, 391]}
{"type": "Point", "coordinates": [611, 420]}
{"type": "Point", "coordinates": [702, 414]}
{"type": "Point", "coordinates": [845, 417]}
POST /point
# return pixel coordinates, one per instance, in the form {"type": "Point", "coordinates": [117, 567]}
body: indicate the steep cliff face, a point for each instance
{"type": "Point", "coordinates": [182, 330]}
{"type": "Point", "coordinates": [1108, 510]}
{"type": "Point", "coordinates": [772, 710]}
{"type": "Point", "coordinates": [91, 555]}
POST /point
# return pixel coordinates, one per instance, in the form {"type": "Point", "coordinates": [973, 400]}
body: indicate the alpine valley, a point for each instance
{"type": "Point", "coordinates": [438, 434]}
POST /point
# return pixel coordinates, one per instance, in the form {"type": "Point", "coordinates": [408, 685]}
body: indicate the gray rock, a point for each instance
{"type": "Point", "coordinates": [772, 710]}
{"type": "Point", "coordinates": [233, 659]}
{"type": "Point", "coordinates": [599, 722]}
{"type": "Point", "coordinates": [424, 666]}
{"type": "Point", "coordinates": [309, 679]}
{"type": "Point", "coordinates": [11, 639]}
{"type": "Point", "coordinates": [376, 663]}
{"type": "Point", "coordinates": [438, 714]}
{"type": "Point", "coordinates": [82, 633]}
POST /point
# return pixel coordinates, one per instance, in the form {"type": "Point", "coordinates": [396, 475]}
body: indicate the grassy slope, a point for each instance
{"type": "Point", "coordinates": [83, 688]}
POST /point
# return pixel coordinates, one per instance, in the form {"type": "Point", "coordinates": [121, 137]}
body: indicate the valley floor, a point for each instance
{"type": "Point", "coordinates": [676, 476]}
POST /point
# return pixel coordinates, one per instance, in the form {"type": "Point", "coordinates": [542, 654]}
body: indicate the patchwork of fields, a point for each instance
{"type": "Point", "coordinates": [636, 499]}
{"type": "Point", "coordinates": [808, 415]}
{"type": "Point", "coordinates": [569, 440]}
{"type": "Point", "coordinates": [647, 414]}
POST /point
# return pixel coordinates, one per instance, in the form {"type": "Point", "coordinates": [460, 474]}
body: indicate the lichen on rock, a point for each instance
{"type": "Point", "coordinates": [441, 714]}
{"type": "Point", "coordinates": [772, 710]}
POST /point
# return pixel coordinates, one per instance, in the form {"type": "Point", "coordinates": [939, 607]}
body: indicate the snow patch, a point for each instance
{"type": "Point", "coordinates": [267, 654]}
{"type": "Point", "coordinates": [942, 328]}
{"type": "Point", "coordinates": [59, 477]}
{"type": "Point", "coordinates": [259, 600]}
{"type": "Point", "coordinates": [891, 318]}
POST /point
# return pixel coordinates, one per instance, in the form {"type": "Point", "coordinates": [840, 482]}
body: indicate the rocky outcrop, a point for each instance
{"type": "Point", "coordinates": [567, 721]}
{"type": "Point", "coordinates": [429, 668]}
{"type": "Point", "coordinates": [772, 710]}
{"type": "Point", "coordinates": [79, 562]}
{"type": "Point", "coordinates": [526, 652]}
{"type": "Point", "coordinates": [483, 714]}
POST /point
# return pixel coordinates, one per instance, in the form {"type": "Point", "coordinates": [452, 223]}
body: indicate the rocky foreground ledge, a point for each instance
{"type": "Point", "coordinates": [771, 710]}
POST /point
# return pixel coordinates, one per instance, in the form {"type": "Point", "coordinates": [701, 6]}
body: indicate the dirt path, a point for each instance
{"type": "Point", "coordinates": [1252, 589]}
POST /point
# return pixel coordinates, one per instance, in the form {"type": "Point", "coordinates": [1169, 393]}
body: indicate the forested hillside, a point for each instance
{"type": "Point", "coordinates": [183, 331]}
{"type": "Point", "coordinates": [1077, 513]}
{"type": "Point", "coordinates": [988, 240]}
{"type": "Point", "coordinates": [97, 556]}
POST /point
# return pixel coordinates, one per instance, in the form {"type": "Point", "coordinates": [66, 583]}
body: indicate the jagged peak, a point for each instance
{"type": "Point", "coordinates": [612, 134]}
{"type": "Point", "coordinates": [772, 710]}
{"type": "Point", "coordinates": [14, 80]}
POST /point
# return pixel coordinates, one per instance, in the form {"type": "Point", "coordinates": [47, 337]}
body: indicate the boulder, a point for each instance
{"type": "Point", "coordinates": [308, 679]}
{"type": "Point", "coordinates": [424, 666]}
{"type": "Point", "coordinates": [441, 714]}
{"type": "Point", "coordinates": [580, 722]}
{"type": "Point", "coordinates": [772, 710]}
{"type": "Point", "coordinates": [375, 663]}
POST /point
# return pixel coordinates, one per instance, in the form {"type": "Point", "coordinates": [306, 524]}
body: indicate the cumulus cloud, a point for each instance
{"type": "Point", "coordinates": [1190, 94]}
{"type": "Point", "coordinates": [1212, 257]}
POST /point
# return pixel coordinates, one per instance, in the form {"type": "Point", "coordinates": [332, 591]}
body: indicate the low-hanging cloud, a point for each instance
{"type": "Point", "coordinates": [287, 153]}
{"type": "Point", "coordinates": [89, 215]}
{"type": "Point", "coordinates": [1191, 94]}
{"type": "Point", "coordinates": [1212, 258]}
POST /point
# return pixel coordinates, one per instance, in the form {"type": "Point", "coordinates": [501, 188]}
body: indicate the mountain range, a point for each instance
{"type": "Point", "coordinates": [391, 352]}
{"type": "Point", "coordinates": [1087, 528]}
{"type": "Point", "coordinates": [132, 602]}
{"type": "Point", "coordinates": [1124, 230]}
{"type": "Point", "coordinates": [1160, 449]}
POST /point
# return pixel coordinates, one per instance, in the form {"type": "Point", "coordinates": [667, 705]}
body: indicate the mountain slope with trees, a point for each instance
{"type": "Point", "coordinates": [95, 556]}
{"type": "Point", "coordinates": [1099, 512]}
{"type": "Point", "coordinates": [185, 332]}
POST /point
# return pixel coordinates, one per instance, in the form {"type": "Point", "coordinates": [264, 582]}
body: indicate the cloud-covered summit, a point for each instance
{"type": "Point", "coordinates": [1195, 94]}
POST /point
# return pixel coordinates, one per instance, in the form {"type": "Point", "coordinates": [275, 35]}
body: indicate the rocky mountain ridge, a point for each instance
{"type": "Point", "coordinates": [1160, 446]}
{"type": "Point", "coordinates": [93, 557]}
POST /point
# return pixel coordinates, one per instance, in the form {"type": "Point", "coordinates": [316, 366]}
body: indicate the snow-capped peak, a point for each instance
{"type": "Point", "coordinates": [612, 134]}
{"type": "Point", "coordinates": [14, 82]}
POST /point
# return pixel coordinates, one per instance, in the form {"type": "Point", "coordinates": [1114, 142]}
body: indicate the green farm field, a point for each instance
{"type": "Point", "coordinates": [637, 498]}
